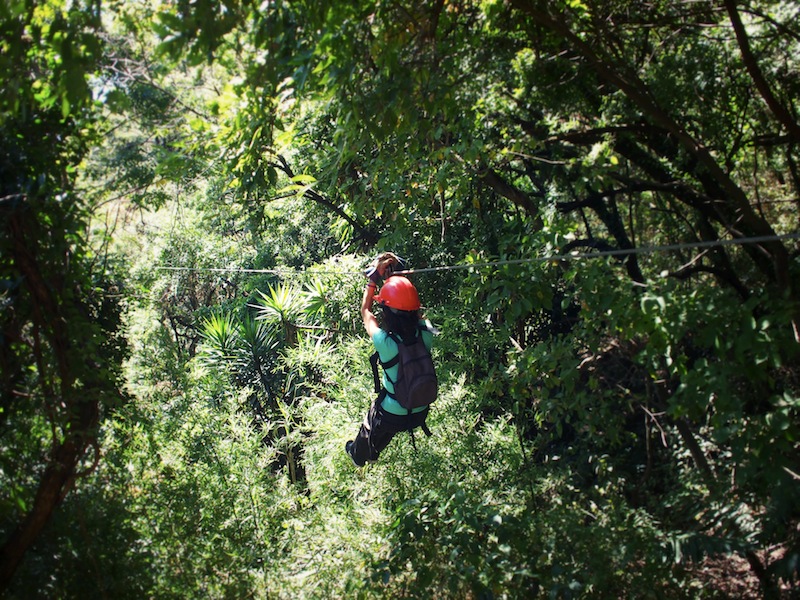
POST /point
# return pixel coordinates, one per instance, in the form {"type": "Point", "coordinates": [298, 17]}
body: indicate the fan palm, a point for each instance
{"type": "Point", "coordinates": [282, 305]}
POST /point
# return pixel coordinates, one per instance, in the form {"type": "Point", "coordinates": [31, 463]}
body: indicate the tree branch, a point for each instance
{"type": "Point", "coordinates": [361, 230]}
{"type": "Point", "coordinates": [508, 191]}
{"type": "Point", "coordinates": [751, 64]}
{"type": "Point", "coordinates": [733, 208]}
{"type": "Point", "coordinates": [687, 272]}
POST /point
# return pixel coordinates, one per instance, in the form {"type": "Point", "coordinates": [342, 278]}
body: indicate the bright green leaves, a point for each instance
{"type": "Point", "coordinates": [221, 336]}
{"type": "Point", "coordinates": [478, 540]}
{"type": "Point", "coordinates": [48, 52]}
{"type": "Point", "coordinates": [299, 185]}
{"type": "Point", "coordinates": [63, 47]}
{"type": "Point", "coordinates": [283, 304]}
{"type": "Point", "coordinates": [243, 348]}
{"type": "Point", "coordinates": [512, 292]}
{"type": "Point", "coordinates": [198, 28]}
{"type": "Point", "coordinates": [260, 48]}
{"type": "Point", "coordinates": [316, 298]}
{"type": "Point", "coordinates": [561, 543]}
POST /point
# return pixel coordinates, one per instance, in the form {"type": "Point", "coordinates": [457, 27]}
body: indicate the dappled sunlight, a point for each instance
{"type": "Point", "coordinates": [595, 204]}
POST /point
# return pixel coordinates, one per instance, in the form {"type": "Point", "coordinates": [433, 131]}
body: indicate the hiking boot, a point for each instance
{"type": "Point", "coordinates": [348, 447]}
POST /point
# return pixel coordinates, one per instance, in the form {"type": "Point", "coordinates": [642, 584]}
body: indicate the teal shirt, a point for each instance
{"type": "Point", "coordinates": [387, 350]}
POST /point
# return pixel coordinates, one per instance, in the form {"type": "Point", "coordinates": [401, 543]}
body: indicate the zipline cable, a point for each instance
{"type": "Point", "coordinates": [608, 253]}
{"type": "Point", "coordinates": [551, 258]}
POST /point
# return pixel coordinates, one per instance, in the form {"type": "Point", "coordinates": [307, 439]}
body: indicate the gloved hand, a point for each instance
{"type": "Point", "coordinates": [393, 263]}
{"type": "Point", "coordinates": [382, 267]}
{"type": "Point", "coordinates": [372, 273]}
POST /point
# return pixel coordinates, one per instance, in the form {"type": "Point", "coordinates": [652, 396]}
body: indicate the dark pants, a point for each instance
{"type": "Point", "coordinates": [378, 429]}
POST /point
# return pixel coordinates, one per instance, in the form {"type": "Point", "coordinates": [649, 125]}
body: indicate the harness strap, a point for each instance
{"type": "Point", "coordinates": [373, 360]}
{"type": "Point", "coordinates": [388, 365]}
{"type": "Point", "coordinates": [425, 430]}
{"type": "Point", "coordinates": [378, 401]}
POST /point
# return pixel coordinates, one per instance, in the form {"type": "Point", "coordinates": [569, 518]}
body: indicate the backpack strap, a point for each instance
{"type": "Point", "coordinates": [397, 340]}
{"type": "Point", "coordinates": [389, 363]}
{"type": "Point", "coordinates": [425, 430]}
{"type": "Point", "coordinates": [373, 360]}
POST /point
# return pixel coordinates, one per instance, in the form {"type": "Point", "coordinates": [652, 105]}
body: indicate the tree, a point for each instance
{"type": "Point", "coordinates": [618, 124]}
{"type": "Point", "coordinates": [616, 45]}
{"type": "Point", "coordinates": [61, 345]}
{"type": "Point", "coordinates": [473, 131]}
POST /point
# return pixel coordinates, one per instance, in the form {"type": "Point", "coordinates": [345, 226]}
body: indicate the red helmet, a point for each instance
{"type": "Point", "coordinates": [398, 293]}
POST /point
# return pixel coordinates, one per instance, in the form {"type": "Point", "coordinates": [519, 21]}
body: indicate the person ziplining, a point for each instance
{"type": "Point", "coordinates": [402, 342]}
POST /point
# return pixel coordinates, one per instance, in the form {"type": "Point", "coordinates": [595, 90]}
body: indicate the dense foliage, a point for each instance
{"type": "Point", "coordinates": [190, 192]}
{"type": "Point", "coordinates": [61, 339]}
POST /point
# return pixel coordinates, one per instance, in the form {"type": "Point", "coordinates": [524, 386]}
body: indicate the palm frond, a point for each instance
{"type": "Point", "coordinates": [220, 337]}
{"type": "Point", "coordinates": [316, 298]}
{"type": "Point", "coordinates": [283, 304]}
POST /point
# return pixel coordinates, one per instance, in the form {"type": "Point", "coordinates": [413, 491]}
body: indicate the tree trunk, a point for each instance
{"type": "Point", "coordinates": [56, 481]}
{"type": "Point", "coordinates": [72, 410]}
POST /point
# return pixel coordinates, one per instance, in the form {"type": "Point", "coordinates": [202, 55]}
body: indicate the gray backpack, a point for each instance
{"type": "Point", "coordinates": [416, 384]}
